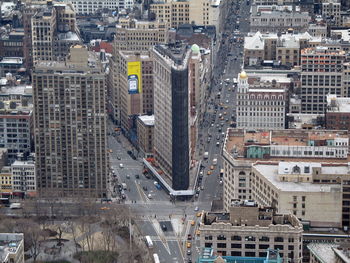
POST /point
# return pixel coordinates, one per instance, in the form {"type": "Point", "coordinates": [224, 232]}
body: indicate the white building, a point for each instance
{"type": "Point", "coordinates": [88, 7]}
{"type": "Point", "coordinates": [23, 177]}
{"type": "Point", "coordinates": [260, 107]}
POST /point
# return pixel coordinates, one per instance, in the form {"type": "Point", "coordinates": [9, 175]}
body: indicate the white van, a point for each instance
{"type": "Point", "coordinates": [121, 165]}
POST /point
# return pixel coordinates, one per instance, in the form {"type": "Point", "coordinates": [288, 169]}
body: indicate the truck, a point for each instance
{"type": "Point", "coordinates": [215, 161]}
{"type": "Point", "coordinates": [124, 186]}
{"type": "Point", "coordinates": [206, 155]}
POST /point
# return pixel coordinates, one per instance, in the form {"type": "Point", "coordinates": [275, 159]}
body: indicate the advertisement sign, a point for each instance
{"type": "Point", "coordinates": [134, 77]}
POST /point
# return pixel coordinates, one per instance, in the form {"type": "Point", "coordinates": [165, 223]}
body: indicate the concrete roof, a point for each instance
{"type": "Point", "coordinates": [147, 119]}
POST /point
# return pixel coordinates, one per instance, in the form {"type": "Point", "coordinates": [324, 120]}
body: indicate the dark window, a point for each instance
{"type": "Point", "coordinates": [208, 244]}
{"type": "Point", "coordinates": [236, 238]}
{"type": "Point", "coordinates": [249, 238]}
{"type": "Point", "coordinates": [264, 239]}
{"type": "Point", "coordinates": [236, 253]}
{"type": "Point", "coordinates": [236, 245]}
{"type": "Point", "coordinates": [278, 239]}
{"type": "Point", "coordinates": [221, 237]}
{"type": "Point", "coordinates": [221, 245]}
{"type": "Point", "coordinates": [280, 247]}
{"type": "Point", "coordinates": [250, 254]}
{"type": "Point", "coordinates": [290, 247]}
{"type": "Point", "coordinates": [250, 246]}
{"type": "Point", "coordinates": [264, 246]}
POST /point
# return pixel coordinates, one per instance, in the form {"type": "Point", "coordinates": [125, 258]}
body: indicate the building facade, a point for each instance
{"type": "Point", "coordinates": [248, 230]}
{"type": "Point", "coordinates": [260, 107]}
{"type": "Point", "coordinates": [315, 192]}
{"type": "Point", "coordinates": [331, 12]}
{"type": "Point", "coordinates": [243, 147]}
{"type": "Point", "coordinates": [139, 37]}
{"type": "Point", "coordinates": [278, 19]}
{"type": "Point", "coordinates": [133, 104]}
{"type": "Point", "coordinates": [70, 126]}
{"type": "Point", "coordinates": [337, 114]}
{"type": "Point", "coordinates": [171, 113]}
{"type": "Point", "coordinates": [16, 127]}
{"type": "Point", "coordinates": [89, 7]}
{"type": "Point", "coordinates": [24, 178]}
{"type": "Point", "coordinates": [322, 70]}
{"type": "Point", "coordinates": [145, 134]}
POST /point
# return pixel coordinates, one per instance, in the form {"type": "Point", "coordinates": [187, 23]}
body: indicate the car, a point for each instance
{"type": "Point", "coordinates": [118, 157]}
{"type": "Point", "coordinates": [217, 144]}
{"type": "Point", "coordinates": [137, 176]}
{"type": "Point", "coordinates": [225, 113]}
{"type": "Point", "coordinates": [199, 214]}
{"type": "Point", "coordinates": [121, 165]}
{"type": "Point", "coordinates": [209, 173]}
{"type": "Point", "coordinates": [196, 209]}
{"type": "Point", "coordinates": [189, 237]}
{"type": "Point", "coordinates": [128, 176]}
{"type": "Point", "coordinates": [188, 245]}
{"type": "Point", "coordinates": [198, 232]}
{"type": "Point", "coordinates": [189, 252]}
{"type": "Point", "coordinates": [164, 228]}
{"type": "Point", "coordinates": [189, 260]}
{"type": "Point", "coordinates": [192, 223]}
{"type": "Point", "coordinates": [149, 196]}
{"type": "Point", "coordinates": [212, 167]}
{"type": "Point", "coordinates": [145, 188]}
{"type": "Point", "coordinates": [123, 196]}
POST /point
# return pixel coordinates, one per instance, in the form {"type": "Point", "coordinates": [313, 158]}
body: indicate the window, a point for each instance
{"type": "Point", "coordinates": [279, 239]}
{"type": "Point", "coordinates": [208, 244]}
{"type": "Point", "coordinates": [221, 245]}
{"type": "Point", "coordinates": [236, 238]}
{"type": "Point", "coordinates": [236, 245]}
{"type": "Point", "coordinates": [221, 237]}
{"type": "Point", "coordinates": [250, 246]}
{"type": "Point", "coordinates": [249, 238]}
{"type": "Point", "coordinates": [264, 239]}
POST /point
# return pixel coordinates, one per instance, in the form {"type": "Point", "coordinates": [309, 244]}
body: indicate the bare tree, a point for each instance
{"type": "Point", "coordinates": [72, 228]}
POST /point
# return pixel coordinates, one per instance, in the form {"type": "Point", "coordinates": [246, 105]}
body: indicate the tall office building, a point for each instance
{"type": "Point", "coordinates": [171, 111]}
{"type": "Point", "coordinates": [321, 74]}
{"type": "Point", "coordinates": [131, 35]}
{"type": "Point", "coordinates": [70, 125]}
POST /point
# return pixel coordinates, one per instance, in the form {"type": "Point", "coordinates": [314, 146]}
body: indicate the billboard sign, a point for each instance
{"type": "Point", "coordinates": [134, 77]}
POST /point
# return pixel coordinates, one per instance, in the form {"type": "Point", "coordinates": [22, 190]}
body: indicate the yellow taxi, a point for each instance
{"type": "Point", "coordinates": [188, 245]}
{"type": "Point", "coordinates": [192, 223]}
{"type": "Point", "coordinates": [199, 214]}
{"type": "Point", "coordinates": [225, 113]}
{"type": "Point", "coordinates": [110, 150]}
{"type": "Point", "coordinates": [198, 232]}
{"type": "Point", "coordinates": [209, 173]}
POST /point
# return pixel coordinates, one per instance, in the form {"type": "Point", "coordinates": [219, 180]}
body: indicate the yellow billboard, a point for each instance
{"type": "Point", "coordinates": [134, 77]}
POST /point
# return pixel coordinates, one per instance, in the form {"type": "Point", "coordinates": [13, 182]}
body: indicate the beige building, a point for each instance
{"type": "Point", "coordinates": [284, 48]}
{"type": "Point", "coordinates": [322, 70]}
{"type": "Point", "coordinates": [70, 126]}
{"type": "Point", "coordinates": [137, 36]}
{"type": "Point", "coordinates": [311, 191]}
{"type": "Point", "coordinates": [199, 12]}
{"type": "Point", "coordinates": [243, 148]}
{"type": "Point", "coordinates": [139, 103]}
{"type": "Point", "coordinates": [145, 134]}
{"type": "Point", "coordinates": [278, 19]}
{"type": "Point", "coordinates": [53, 30]}
{"type": "Point", "coordinates": [12, 248]}
{"type": "Point", "coordinates": [248, 230]}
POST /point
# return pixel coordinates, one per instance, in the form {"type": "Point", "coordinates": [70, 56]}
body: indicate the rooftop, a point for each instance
{"type": "Point", "coordinates": [9, 244]}
{"type": "Point", "coordinates": [176, 52]}
{"type": "Point", "coordinates": [11, 60]}
{"type": "Point", "coordinates": [147, 119]}
{"type": "Point", "coordinates": [324, 252]}
{"type": "Point", "coordinates": [338, 104]}
{"type": "Point", "coordinates": [270, 170]}
{"type": "Point", "coordinates": [321, 50]}
{"type": "Point", "coordinates": [237, 140]}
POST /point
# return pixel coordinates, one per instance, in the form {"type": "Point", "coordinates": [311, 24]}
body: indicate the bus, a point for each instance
{"type": "Point", "coordinates": [149, 242]}
{"type": "Point", "coordinates": [156, 258]}
{"type": "Point", "coordinates": [4, 201]}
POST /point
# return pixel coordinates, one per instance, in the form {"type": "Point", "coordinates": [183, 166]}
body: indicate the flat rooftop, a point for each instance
{"type": "Point", "coordinates": [323, 251]}
{"type": "Point", "coordinates": [147, 119]}
{"type": "Point", "coordinates": [238, 139]}
{"type": "Point", "coordinates": [270, 172]}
